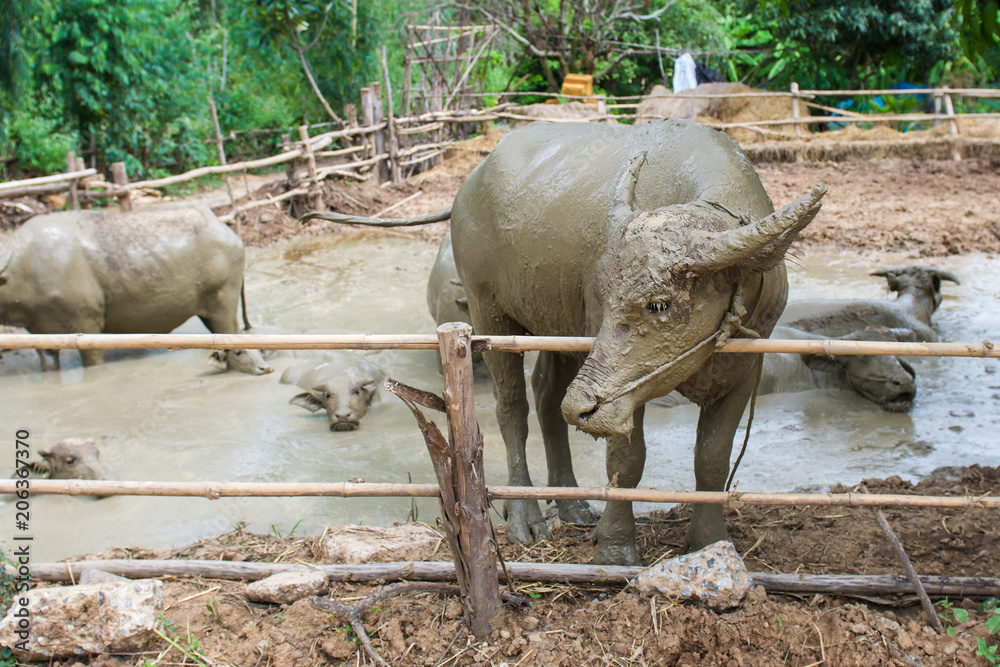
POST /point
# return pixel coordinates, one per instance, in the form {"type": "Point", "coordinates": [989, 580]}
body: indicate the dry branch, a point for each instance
{"type": "Point", "coordinates": [614, 575]}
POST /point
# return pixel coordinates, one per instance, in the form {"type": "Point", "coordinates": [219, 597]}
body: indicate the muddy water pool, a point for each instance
{"type": "Point", "coordinates": [163, 416]}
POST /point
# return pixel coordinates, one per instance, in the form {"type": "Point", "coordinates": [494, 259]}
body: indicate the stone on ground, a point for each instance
{"type": "Point", "coordinates": [714, 576]}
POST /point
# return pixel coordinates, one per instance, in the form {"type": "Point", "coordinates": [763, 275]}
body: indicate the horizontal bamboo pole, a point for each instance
{"type": "Point", "coordinates": [420, 158]}
{"type": "Point", "coordinates": [215, 490]}
{"type": "Point", "coordinates": [564, 573]}
{"type": "Point", "coordinates": [263, 202]}
{"type": "Point", "coordinates": [45, 180]}
{"type": "Point", "coordinates": [984, 349]}
{"type": "Point", "coordinates": [340, 151]}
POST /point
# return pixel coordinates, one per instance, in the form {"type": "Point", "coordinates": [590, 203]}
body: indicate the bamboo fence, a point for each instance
{"type": "Point", "coordinates": [461, 489]}
{"type": "Point", "coordinates": [393, 146]}
{"type": "Point", "coordinates": [81, 341]}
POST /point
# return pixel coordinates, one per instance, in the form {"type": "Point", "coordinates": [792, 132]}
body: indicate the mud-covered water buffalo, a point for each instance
{"type": "Point", "coordinates": [446, 298]}
{"type": "Point", "coordinates": [660, 240]}
{"type": "Point", "coordinates": [144, 271]}
{"type": "Point", "coordinates": [72, 458]}
{"type": "Point", "coordinates": [342, 385]}
{"type": "Point", "coordinates": [918, 295]}
{"type": "Point", "coordinates": [883, 379]}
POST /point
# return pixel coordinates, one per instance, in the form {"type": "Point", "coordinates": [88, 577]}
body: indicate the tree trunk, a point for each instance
{"type": "Point", "coordinates": [312, 82]}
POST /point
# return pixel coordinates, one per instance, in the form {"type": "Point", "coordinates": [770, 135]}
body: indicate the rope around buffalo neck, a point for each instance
{"type": "Point", "coordinates": [732, 323]}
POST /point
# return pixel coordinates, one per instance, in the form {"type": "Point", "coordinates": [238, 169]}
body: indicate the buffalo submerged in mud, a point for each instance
{"type": "Point", "coordinates": [145, 271]}
{"type": "Point", "coordinates": [657, 239]}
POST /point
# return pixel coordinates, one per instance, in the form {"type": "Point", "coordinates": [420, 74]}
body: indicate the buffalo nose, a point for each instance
{"type": "Point", "coordinates": [579, 408]}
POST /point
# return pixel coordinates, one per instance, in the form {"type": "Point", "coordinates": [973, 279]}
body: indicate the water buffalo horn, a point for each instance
{"type": "Point", "coordinates": [717, 251]}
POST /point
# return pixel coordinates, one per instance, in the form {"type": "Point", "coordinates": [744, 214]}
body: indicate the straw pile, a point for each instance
{"type": "Point", "coordinates": [570, 111]}
{"type": "Point", "coordinates": [661, 103]}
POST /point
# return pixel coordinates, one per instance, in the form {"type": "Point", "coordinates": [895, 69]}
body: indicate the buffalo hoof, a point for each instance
{"type": "Point", "coordinates": [576, 511]}
{"type": "Point", "coordinates": [616, 554]}
{"type": "Point", "coordinates": [705, 530]}
{"type": "Point", "coordinates": [525, 523]}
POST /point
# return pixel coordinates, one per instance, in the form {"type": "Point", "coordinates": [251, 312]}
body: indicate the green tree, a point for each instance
{"type": "Point", "coordinates": [850, 43]}
{"type": "Point", "coordinates": [335, 34]}
{"type": "Point", "coordinates": [124, 74]}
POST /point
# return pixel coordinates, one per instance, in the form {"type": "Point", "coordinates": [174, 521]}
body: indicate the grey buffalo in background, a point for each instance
{"type": "Point", "coordinates": [918, 295]}
{"type": "Point", "coordinates": [344, 385]}
{"type": "Point", "coordinates": [144, 271]}
{"type": "Point", "coordinates": [886, 380]}
{"type": "Point", "coordinates": [446, 298]}
{"type": "Point", "coordinates": [883, 379]}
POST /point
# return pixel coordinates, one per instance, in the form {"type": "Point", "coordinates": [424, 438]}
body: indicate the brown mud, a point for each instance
{"type": "Point", "coordinates": [613, 625]}
{"type": "Point", "coordinates": [922, 208]}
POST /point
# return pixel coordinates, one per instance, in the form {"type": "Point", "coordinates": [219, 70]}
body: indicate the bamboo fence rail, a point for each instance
{"type": "Point", "coordinates": [12, 341]}
{"type": "Point", "coordinates": [216, 490]}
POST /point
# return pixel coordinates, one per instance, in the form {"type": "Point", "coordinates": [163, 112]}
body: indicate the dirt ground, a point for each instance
{"type": "Point", "coordinates": [922, 208]}
{"type": "Point", "coordinates": [612, 624]}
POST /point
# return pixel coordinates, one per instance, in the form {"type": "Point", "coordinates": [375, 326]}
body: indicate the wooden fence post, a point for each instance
{"type": "Point", "coordinates": [397, 175]}
{"type": "Point", "coordinates": [380, 167]}
{"type": "Point", "coordinates": [315, 190]}
{"type": "Point", "coordinates": [291, 173]}
{"type": "Point", "coordinates": [74, 192]}
{"type": "Point", "coordinates": [949, 109]}
{"type": "Point", "coordinates": [80, 165]}
{"type": "Point", "coordinates": [475, 537]}
{"type": "Point", "coordinates": [120, 177]}
{"type": "Point", "coordinates": [795, 108]}
{"type": "Point", "coordinates": [367, 120]}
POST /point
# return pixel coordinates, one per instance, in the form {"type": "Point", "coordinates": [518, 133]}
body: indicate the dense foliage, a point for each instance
{"type": "Point", "coordinates": [131, 80]}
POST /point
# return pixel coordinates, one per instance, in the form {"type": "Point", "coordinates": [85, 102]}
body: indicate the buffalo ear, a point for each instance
{"type": "Point", "coordinates": [370, 385]}
{"type": "Point", "coordinates": [218, 359]}
{"type": "Point", "coordinates": [307, 400]}
{"type": "Point", "coordinates": [821, 362]}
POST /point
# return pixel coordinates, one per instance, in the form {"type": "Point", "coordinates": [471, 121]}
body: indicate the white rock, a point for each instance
{"type": "Point", "coordinates": [715, 576]}
{"type": "Point", "coordinates": [95, 576]}
{"type": "Point", "coordinates": [287, 587]}
{"type": "Point", "coordinates": [362, 544]}
{"type": "Point", "coordinates": [75, 621]}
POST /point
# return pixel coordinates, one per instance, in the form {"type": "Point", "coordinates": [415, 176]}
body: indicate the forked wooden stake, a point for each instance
{"type": "Point", "coordinates": [458, 464]}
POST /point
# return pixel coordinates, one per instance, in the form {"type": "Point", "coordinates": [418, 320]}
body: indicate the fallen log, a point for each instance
{"type": "Point", "coordinates": [564, 573]}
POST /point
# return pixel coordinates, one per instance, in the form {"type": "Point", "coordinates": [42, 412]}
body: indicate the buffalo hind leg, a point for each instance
{"type": "Point", "coordinates": [553, 373]}
{"type": "Point", "coordinates": [717, 424]}
{"type": "Point", "coordinates": [615, 532]}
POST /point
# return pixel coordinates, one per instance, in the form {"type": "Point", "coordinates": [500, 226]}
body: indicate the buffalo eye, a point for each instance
{"type": "Point", "coordinates": [239, 353]}
{"type": "Point", "coordinates": [70, 460]}
{"type": "Point", "coordinates": [657, 307]}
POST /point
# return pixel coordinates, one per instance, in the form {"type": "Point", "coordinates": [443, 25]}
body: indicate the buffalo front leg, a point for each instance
{"type": "Point", "coordinates": [615, 532]}
{"type": "Point", "coordinates": [717, 423]}
{"type": "Point", "coordinates": [524, 521]}
{"type": "Point", "coordinates": [553, 373]}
